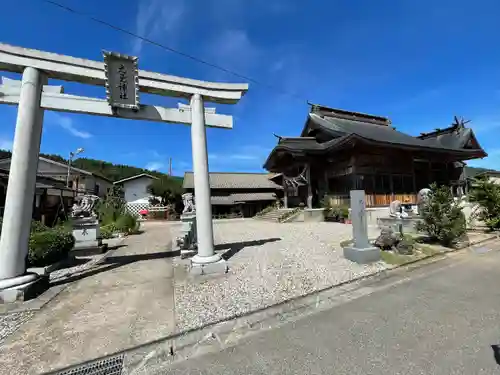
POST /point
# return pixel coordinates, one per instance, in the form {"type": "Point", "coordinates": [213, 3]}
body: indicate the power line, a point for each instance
{"type": "Point", "coordinates": [170, 49]}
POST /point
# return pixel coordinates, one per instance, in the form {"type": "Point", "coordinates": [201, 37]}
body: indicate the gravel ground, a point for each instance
{"type": "Point", "coordinates": [275, 262]}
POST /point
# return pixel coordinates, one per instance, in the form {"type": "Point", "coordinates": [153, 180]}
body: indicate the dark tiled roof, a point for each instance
{"type": "Point", "coordinates": [222, 180]}
{"type": "Point", "coordinates": [249, 197]}
{"type": "Point", "coordinates": [471, 172]}
{"type": "Point", "coordinates": [343, 128]}
{"type": "Point", "coordinates": [384, 134]}
{"type": "Point", "coordinates": [242, 198]}
{"type": "Point", "coordinates": [452, 137]}
{"type": "Point", "coordinates": [348, 128]}
{"type": "Point", "coordinates": [349, 115]}
{"type": "Point", "coordinates": [42, 182]}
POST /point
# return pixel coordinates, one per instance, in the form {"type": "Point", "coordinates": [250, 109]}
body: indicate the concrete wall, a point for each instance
{"type": "Point", "coordinates": [373, 213]}
{"type": "Point", "coordinates": [309, 215]}
{"type": "Point", "coordinates": [90, 182]}
{"type": "Point", "coordinates": [136, 189]}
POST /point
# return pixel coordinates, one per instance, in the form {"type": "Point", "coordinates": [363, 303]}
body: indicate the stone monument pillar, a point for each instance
{"type": "Point", "coordinates": [361, 251]}
{"type": "Point", "coordinates": [21, 188]}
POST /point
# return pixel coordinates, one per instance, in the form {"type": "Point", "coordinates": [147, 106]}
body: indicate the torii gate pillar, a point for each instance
{"type": "Point", "coordinates": [206, 254]}
{"type": "Point", "coordinates": [21, 185]}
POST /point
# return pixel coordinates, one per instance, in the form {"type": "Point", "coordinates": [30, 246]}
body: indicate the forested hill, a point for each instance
{"type": "Point", "coordinates": [114, 172]}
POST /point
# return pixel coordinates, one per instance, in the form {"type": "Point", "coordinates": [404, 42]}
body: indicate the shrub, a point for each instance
{"type": "Point", "coordinates": [49, 247]}
{"type": "Point", "coordinates": [111, 207]}
{"type": "Point", "coordinates": [127, 223]}
{"type": "Point", "coordinates": [343, 211]}
{"type": "Point", "coordinates": [487, 195]}
{"type": "Point", "coordinates": [107, 231]}
{"type": "Point", "coordinates": [37, 226]}
{"type": "Point", "coordinates": [442, 216]}
{"type": "Point", "coordinates": [338, 212]}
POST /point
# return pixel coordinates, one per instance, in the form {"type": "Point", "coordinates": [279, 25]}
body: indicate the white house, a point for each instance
{"type": "Point", "coordinates": [80, 180]}
{"type": "Point", "coordinates": [135, 188]}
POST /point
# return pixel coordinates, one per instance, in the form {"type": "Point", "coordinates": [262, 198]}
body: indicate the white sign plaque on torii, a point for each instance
{"type": "Point", "coordinates": [33, 95]}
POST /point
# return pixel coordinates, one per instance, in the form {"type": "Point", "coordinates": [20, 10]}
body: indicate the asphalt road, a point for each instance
{"type": "Point", "coordinates": [443, 321]}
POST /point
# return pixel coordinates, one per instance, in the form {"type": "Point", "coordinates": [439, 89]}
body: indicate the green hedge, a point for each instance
{"type": "Point", "coordinates": [49, 247]}
{"type": "Point", "coordinates": [107, 231]}
{"type": "Point", "coordinates": [127, 223]}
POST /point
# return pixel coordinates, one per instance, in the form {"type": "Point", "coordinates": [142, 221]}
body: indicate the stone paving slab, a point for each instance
{"type": "Point", "coordinates": [125, 301]}
{"type": "Point", "coordinates": [269, 263]}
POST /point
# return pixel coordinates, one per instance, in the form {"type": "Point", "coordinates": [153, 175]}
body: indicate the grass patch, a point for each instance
{"type": "Point", "coordinates": [428, 250]}
{"type": "Point", "coordinates": [393, 258]}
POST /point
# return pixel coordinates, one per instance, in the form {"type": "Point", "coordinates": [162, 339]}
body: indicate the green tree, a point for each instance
{"type": "Point", "coordinates": [443, 219]}
{"type": "Point", "coordinates": [487, 195]}
{"type": "Point", "coordinates": [166, 188]}
{"type": "Point", "coordinates": [112, 206]}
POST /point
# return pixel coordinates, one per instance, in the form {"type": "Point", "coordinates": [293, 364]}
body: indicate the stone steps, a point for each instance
{"type": "Point", "coordinates": [273, 215]}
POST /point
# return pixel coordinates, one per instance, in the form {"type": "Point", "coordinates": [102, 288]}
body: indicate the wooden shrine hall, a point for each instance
{"type": "Point", "coordinates": [339, 151]}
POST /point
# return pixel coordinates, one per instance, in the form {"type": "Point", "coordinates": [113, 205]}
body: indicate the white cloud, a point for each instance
{"type": "Point", "coordinates": [233, 49]}
{"type": "Point", "coordinates": [155, 18]}
{"type": "Point", "coordinates": [6, 144]}
{"type": "Point", "coordinates": [154, 166]}
{"type": "Point", "coordinates": [67, 124]}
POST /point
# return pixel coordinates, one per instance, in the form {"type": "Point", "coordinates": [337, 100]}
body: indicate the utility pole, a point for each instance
{"type": "Point", "coordinates": [170, 166]}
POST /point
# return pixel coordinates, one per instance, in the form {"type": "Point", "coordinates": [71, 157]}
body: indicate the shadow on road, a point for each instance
{"type": "Point", "coordinates": [236, 247]}
{"type": "Point", "coordinates": [496, 353]}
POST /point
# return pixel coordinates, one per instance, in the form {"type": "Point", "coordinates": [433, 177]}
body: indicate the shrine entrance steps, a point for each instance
{"type": "Point", "coordinates": [274, 215]}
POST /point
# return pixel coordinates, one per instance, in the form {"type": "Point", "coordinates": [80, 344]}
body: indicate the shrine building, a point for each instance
{"type": "Point", "coordinates": [338, 151]}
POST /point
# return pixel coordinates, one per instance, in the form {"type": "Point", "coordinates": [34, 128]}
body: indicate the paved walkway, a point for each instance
{"type": "Point", "coordinates": [124, 302]}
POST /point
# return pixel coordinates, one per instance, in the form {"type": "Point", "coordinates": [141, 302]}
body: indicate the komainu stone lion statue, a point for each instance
{"type": "Point", "coordinates": [187, 200]}
{"type": "Point", "coordinates": [422, 198]}
{"type": "Point", "coordinates": [84, 206]}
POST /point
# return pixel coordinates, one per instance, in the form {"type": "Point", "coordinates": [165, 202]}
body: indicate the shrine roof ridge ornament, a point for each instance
{"type": "Point", "coordinates": [15, 59]}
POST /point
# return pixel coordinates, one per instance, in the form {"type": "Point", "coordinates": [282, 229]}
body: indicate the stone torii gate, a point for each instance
{"type": "Point", "coordinates": [33, 96]}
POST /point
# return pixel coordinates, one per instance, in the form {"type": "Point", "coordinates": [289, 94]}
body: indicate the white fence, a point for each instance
{"type": "Point", "coordinates": [135, 208]}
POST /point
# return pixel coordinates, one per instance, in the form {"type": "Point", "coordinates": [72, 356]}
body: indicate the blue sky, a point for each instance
{"type": "Point", "coordinates": [416, 62]}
